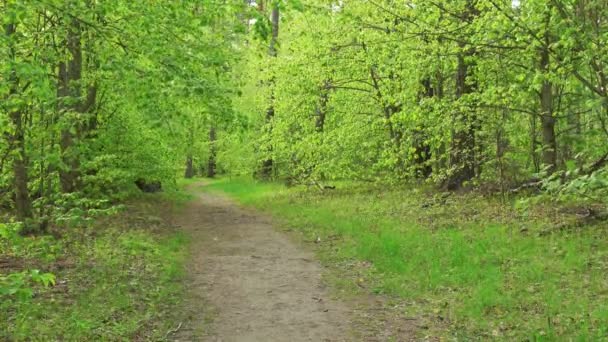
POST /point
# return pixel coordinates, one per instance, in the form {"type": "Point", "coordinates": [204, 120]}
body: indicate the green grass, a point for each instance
{"type": "Point", "coordinates": [473, 267]}
{"type": "Point", "coordinates": [116, 280]}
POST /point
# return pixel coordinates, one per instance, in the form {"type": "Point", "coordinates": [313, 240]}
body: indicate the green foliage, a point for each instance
{"type": "Point", "coordinates": [383, 77]}
{"type": "Point", "coordinates": [19, 285]}
{"type": "Point", "coordinates": [136, 95]}
{"type": "Point", "coordinates": [591, 188]}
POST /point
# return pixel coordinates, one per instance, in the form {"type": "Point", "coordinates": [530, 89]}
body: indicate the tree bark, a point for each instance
{"type": "Point", "coordinates": [69, 93]}
{"type": "Point", "coordinates": [423, 151]}
{"type": "Point", "coordinates": [189, 167]}
{"type": "Point", "coordinates": [274, 20]}
{"type": "Point", "coordinates": [190, 172]}
{"type": "Point", "coordinates": [268, 164]}
{"type": "Point", "coordinates": [464, 149]}
{"type": "Point", "coordinates": [23, 203]}
{"type": "Point", "coordinates": [211, 163]}
{"type": "Point", "coordinates": [321, 110]}
{"type": "Point", "coordinates": [462, 156]}
{"type": "Point", "coordinates": [534, 157]}
{"type": "Point", "coordinates": [549, 152]}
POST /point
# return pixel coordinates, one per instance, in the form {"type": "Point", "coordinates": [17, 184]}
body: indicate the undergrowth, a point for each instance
{"type": "Point", "coordinates": [115, 279]}
{"type": "Point", "coordinates": [473, 267]}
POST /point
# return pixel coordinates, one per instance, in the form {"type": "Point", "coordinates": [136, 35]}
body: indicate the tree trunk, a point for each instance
{"type": "Point", "coordinates": [69, 77]}
{"type": "Point", "coordinates": [189, 168]}
{"type": "Point", "coordinates": [23, 203]}
{"type": "Point", "coordinates": [422, 149]}
{"type": "Point", "coordinates": [549, 153]}
{"type": "Point", "coordinates": [321, 110]}
{"type": "Point", "coordinates": [463, 150]}
{"type": "Point", "coordinates": [190, 172]}
{"type": "Point", "coordinates": [211, 164]}
{"type": "Point", "coordinates": [462, 156]}
{"type": "Point", "coordinates": [20, 171]}
{"type": "Point", "coordinates": [548, 129]}
{"type": "Point", "coordinates": [268, 164]}
{"type": "Point", "coordinates": [534, 143]}
{"type": "Point", "coordinates": [388, 108]}
{"type": "Point", "coordinates": [274, 19]}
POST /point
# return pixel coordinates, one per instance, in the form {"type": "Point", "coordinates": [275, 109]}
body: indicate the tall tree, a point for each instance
{"type": "Point", "coordinates": [16, 139]}
{"type": "Point", "coordinates": [268, 163]}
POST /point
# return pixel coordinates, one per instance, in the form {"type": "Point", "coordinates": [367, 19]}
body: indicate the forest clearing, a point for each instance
{"type": "Point", "coordinates": [304, 170]}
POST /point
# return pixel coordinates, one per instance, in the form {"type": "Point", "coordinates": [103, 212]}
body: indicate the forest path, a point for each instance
{"type": "Point", "coordinates": [249, 282]}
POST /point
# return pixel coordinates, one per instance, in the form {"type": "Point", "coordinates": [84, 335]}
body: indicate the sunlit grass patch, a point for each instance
{"type": "Point", "coordinates": [248, 192]}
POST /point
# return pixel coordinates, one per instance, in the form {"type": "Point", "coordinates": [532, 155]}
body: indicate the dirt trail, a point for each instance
{"type": "Point", "coordinates": [252, 281]}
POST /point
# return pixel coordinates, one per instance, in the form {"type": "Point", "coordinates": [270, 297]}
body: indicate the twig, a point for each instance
{"type": "Point", "coordinates": [170, 332]}
{"type": "Point", "coordinates": [533, 184]}
{"type": "Point", "coordinates": [598, 164]}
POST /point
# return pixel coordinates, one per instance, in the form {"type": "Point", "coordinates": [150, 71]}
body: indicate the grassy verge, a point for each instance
{"type": "Point", "coordinates": [117, 279]}
{"type": "Point", "coordinates": [473, 267]}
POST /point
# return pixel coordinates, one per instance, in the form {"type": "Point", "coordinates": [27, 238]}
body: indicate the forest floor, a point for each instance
{"type": "Point", "coordinates": [249, 281]}
{"type": "Point", "coordinates": [461, 266]}
{"type": "Point", "coordinates": [118, 277]}
{"type": "Point", "coordinates": [236, 260]}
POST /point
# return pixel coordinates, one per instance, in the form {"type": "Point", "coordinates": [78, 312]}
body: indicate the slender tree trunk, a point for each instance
{"type": "Point", "coordinates": [23, 203]}
{"type": "Point", "coordinates": [549, 153]}
{"type": "Point", "coordinates": [502, 144]}
{"type": "Point", "coordinates": [69, 93]}
{"type": "Point", "coordinates": [548, 129]}
{"type": "Point", "coordinates": [20, 170]}
{"type": "Point", "coordinates": [274, 19]}
{"type": "Point", "coordinates": [211, 164]}
{"type": "Point", "coordinates": [321, 110]}
{"type": "Point", "coordinates": [46, 170]}
{"type": "Point", "coordinates": [534, 142]}
{"type": "Point", "coordinates": [388, 109]}
{"type": "Point", "coordinates": [190, 172]}
{"type": "Point", "coordinates": [268, 164]}
{"type": "Point", "coordinates": [189, 167]}
{"type": "Point", "coordinates": [441, 162]}
{"type": "Point", "coordinates": [423, 151]}
{"type": "Point", "coordinates": [463, 150]}
{"type": "Point", "coordinates": [462, 156]}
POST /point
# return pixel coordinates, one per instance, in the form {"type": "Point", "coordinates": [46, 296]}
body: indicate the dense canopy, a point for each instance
{"type": "Point", "coordinates": [100, 94]}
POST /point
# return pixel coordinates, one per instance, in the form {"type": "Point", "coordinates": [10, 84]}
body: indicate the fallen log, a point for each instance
{"type": "Point", "coordinates": [149, 187]}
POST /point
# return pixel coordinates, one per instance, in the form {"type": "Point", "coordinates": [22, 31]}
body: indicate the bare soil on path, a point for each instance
{"type": "Point", "coordinates": [251, 282]}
